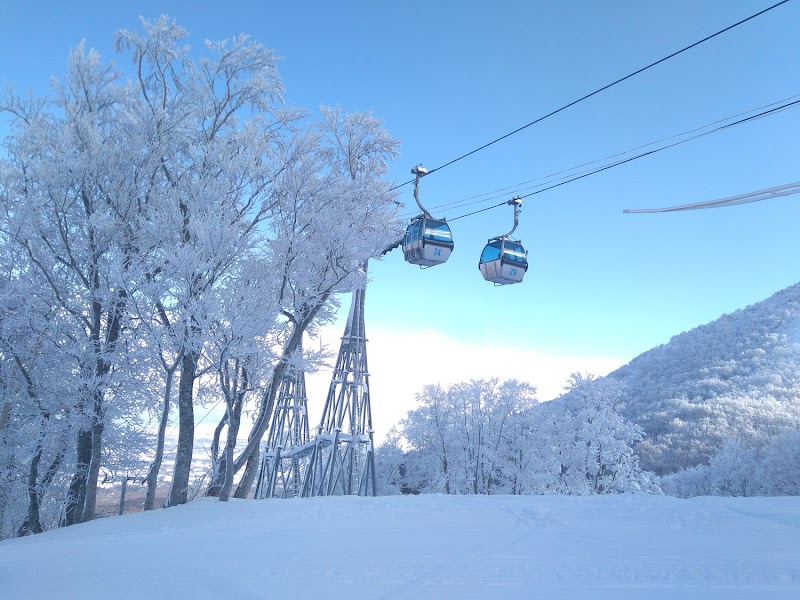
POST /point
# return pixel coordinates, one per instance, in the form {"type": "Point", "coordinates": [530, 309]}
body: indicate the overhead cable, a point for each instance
{"type": "Point", "coordinates": [602, 89]}
{"type": "Point", "coordinates": [572, 171]}
{"type": "Point", "coordinates": [777, 191]}
{"type": "Point", "coordinates": [761, 115]}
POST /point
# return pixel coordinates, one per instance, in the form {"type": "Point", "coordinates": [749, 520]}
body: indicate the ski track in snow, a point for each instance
{"type": "Point", "coordinates": [432, 546]}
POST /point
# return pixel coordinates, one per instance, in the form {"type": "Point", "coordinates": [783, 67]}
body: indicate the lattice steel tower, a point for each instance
{"type": "Point", "coordinates": [342, 459]}
{"type": "Point", "coordinates": [286, 452]}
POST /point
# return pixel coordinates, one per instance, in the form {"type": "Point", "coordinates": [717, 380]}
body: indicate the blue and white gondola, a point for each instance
{"type": "Point", "coordinates": [428, 242]}
{"type": "Point", "coordinates": [503, 260]}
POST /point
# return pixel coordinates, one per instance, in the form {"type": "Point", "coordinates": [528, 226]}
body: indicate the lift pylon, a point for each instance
{"type": "Point", "coordinates": [286, 451]}
{"type": "Point", "coordinates": [342, 459]}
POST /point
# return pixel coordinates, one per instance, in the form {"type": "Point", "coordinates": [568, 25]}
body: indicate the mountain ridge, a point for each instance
{"type": "Point", "coordinates": [737, 377]}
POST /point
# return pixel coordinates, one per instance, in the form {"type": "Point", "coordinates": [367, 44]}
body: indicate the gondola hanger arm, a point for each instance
{"type": "Point", "coordinates": [517, 204]}
{"type": "Point", "coordinates": [419, 171]}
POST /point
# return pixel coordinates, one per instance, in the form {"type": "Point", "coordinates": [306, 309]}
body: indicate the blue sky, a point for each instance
{"type": "Point", "coordinates": [447, 77]}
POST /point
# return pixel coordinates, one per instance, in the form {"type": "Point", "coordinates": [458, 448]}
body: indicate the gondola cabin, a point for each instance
{"type": "Point", "coordinates": [428, 242]}
{"type": "Point", "coordinates": [503, 261]}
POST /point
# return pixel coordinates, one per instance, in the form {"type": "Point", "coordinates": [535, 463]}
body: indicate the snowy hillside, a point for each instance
{"type": "Point", "coordinates": [628, 546]}
{"type": "Point", "coordinates": [736, 377]}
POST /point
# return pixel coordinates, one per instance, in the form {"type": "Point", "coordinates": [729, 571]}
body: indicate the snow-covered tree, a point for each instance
{"type": "Point", "coordinates": [591, 445]}
{"type": "Point", "coordinates": [742, 468]}
{"type": "Point", "coordinates": [389, 466]}
{"type": "Point", "coordinates": [178, 223]}
{"type": "Point", "coordinates": [36, 389]}
{"type": "Point", "coordinates": [75, 185]}
{"type": "Point", "coordinates": [334, 212]}
{"type": "Point", "coordinates": [240, 356]}
{"type": "Point", "coordinates": [780, 466]}
{"type": "Point", "coordinates": [225, 125]}
{"type": "Point", "coordinates": [462, 437]}
{"type": "Point", "coordinates": [485, 437]}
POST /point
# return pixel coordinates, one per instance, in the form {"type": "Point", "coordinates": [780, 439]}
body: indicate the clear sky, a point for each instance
{"type": "Point", "coordinates": [449, 76]}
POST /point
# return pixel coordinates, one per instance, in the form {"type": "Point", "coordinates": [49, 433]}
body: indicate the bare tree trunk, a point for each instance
{"type": "Point", "coordinates": [33, 522]}
{"type": "Point", "coordinates": [217, 461]}
{"type": "Point", "coordinates": [4, 415]}
{"type": "Point", "coordinates": [77, 487]}
{"type": "Point", "coordinates": [90, 501]}
{"type": "Point", "coordinates": [248, 477]}
{"type": "Point", "coordinates": [221, 463]}
{"type": "Point", "coordinates": [155, 466]}
{"type": "Point", "coordinates": [50, 474]}
{"type": "Point", "coordinates": [183, 456]}
{"type": "Point", "coordinates": [36, 488]}
{"type": "Point", "coordinates": [264, 414]}
{"type": "Point", "coordinates": [215, 440]}
{"type": "Point", "coordinates": [235, 391]}
{"type": "Point", "coordinates": [223, 477]}
{"type": "Point", "coordinates": [478, 464]}
{"type": "Point", "coordinates": [227, 486]}
{"type": "Point", "coordinates": [101, 369]}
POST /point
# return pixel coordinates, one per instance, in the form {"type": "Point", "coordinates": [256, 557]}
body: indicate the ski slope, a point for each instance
{"type": "Point", "coordinates": [461, 547]}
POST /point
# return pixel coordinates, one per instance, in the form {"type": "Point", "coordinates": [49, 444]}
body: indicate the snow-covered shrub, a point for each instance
{"type": "Point", "coordinates": [694, 481]}
{"type": "Point", "coordinates": [780, 467]}
{"type": "Point", "coordinates": [742, 469]}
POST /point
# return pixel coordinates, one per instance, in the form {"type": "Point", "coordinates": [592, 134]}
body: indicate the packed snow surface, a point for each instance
{"type": "Point", "coordinates": [631, 546]}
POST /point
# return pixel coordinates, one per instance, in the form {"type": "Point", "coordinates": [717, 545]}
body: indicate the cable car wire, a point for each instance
{"type": "Point", "coordinates": [761, 115]}
{"type": "Point", "coordinates": [778, 191]}
{"type": "Point", "coordinates": [602, 89]}
{"type": "Point", "coordinates": [570, 172]}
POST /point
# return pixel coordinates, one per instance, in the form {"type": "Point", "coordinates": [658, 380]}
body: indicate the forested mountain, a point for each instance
{"type": "Point", "coordinates": [735, 378]}
{"type": "Point", "coordinates": [730, 385]}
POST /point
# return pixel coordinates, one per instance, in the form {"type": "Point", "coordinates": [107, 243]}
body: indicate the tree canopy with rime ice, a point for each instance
{"type": "Point", "coordinates": [169, 230]}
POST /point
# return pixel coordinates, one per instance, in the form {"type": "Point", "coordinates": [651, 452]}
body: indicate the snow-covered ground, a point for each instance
{"type": "Point", "coordinates": [460, 547]}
